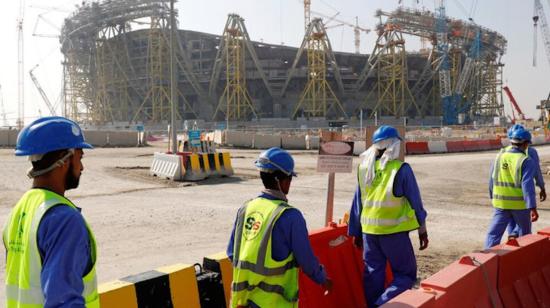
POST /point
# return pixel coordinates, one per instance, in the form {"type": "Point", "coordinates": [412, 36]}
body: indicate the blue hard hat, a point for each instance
{"type": "Point", "coordinates": [513, 128]}
{"type": "Point", "coordinates": [276, 159]}
{"type": "Point", "coordinates": [520, 134]}
{"type": "Point", "coordinates": [385, 132]}
{"type": "Point", "coordinates": [50, 134]}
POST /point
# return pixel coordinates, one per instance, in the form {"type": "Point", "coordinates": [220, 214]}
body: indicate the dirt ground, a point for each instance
{"type": "Point", "coordinates": [142, 223]}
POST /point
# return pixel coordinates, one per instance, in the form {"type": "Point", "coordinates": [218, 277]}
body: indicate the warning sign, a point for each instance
{"type": "Point", "coordinates": [335, 157]}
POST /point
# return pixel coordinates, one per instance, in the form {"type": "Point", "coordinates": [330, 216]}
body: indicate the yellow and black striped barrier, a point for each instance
{"type": "Point", "coordinates": [171, 286]}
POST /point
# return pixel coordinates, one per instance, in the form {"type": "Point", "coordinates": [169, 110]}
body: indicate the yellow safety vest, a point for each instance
{"type": "Point", "coordinates": [24, 263]}
{"type": "Point", "coordinates": [384, 213]}
{"type": "Point", "coordinates": [507, 178]}
{"type": "Point", "coordinates": [256, 276]}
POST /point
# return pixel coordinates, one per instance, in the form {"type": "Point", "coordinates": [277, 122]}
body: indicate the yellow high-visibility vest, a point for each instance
{"type": "Point", "coordinates": [257, 277]}
{"type": "Point", "coordinates": [507, 178]}
{"type": "Point", "coordinates": [24, 264]}
{"type": "Point", "coordinates": [384, 213]}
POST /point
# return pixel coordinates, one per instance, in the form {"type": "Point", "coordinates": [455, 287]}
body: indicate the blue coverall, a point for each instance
{"type": "Point", "coordinates": [290, 235]}
{"type": "Point", "coordinates": [395, 248]}
{"type": "Point", "coordinates": [513, 229]}
{"type": "Point", "coordinates": [522, 218]}
{"type": "Point", "coordinates": [64, 246]}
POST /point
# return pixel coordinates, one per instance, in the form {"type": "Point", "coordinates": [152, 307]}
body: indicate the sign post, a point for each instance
{"type": "Point", "coordinates": [194, 139]}
{"type": "Point", "coordinates": [334, 157]}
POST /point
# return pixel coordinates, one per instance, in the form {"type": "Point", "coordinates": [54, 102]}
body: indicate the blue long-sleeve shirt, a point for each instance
{"type": "Point", "coordinates": [290, 235]}
{"type": "Point", "coordinates": [528, 171]}
{"type": "Point", "coordinates": [534, 155]}
{"type": "Point", "coordinates": [404, 185]}
{"type": "Point", "coordinates": [64, 246]}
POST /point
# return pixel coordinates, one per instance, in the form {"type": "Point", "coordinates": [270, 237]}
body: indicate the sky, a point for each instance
{"type": "Point", "coordinates": [273, 21]}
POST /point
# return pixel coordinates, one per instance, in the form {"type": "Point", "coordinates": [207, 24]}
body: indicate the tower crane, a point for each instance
{"type": "Point", "coordinates": [539, 15]}
{"type": "Point", "coordinates": [41, 91]}
{"type": "Point", "coordinates": [20, 66]}
{"type": "Point", "coordinates": [356, 28]}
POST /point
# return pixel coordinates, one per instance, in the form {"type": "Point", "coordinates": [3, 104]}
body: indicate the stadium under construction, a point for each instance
{"type": "Point", "coordinates": [117, 70]}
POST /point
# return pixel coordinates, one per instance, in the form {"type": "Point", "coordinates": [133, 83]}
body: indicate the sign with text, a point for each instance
{"type": "Point", "coordinates": [195, 138]}
{"type": "Point", "coordinates": [335, 157]}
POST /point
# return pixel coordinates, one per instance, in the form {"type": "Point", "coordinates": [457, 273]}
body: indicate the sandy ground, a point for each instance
{"type": "Point", "coordinates": [142, 223]}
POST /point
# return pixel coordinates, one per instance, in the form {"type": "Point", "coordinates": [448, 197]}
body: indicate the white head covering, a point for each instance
{"type": "Point", "coordinates": [392, 146]}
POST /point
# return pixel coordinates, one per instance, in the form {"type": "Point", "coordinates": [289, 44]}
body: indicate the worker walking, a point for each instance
{"type": "Point", "coordinates": [513, 229]}
{"type": "Point", "coordinates": [512, 189]}
{"type": "Point", "coordinates": [51, 251]}
{"type": "Point", "coordinates": [386, 206]}
{"type": "Point", "coordinates": [270, 241]}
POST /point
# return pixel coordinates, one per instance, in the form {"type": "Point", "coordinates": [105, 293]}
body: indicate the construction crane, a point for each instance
{"type": "Point", "coordinates": [356, 28]}
{"type": "Point", "coordinates": [41, 91]}
{"type": "Point", "coordinates": [539, 15]}
{"type": "Point", "coordinates": [307, 14]}
{"type": "Point", "coordinates": [20, 66]}
{"type": "Point", "coordinates": [3, 109]}
{"type": "Point", "coordinates": [515, 106]}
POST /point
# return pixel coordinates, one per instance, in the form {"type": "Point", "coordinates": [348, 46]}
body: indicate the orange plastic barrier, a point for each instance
{"type": "Point", "coordinates": [468, 282]}
{"type": "Point", "coordinates": [484, 145]}
{"type": "Point", "coordinates": [455, 146]}
{"type": "Point", "coordinates": [515, 274]}
{"type": "Point", "coordinates": [522, 266]}
{"type": "Point", "coordinates": [471, 145]}
{"type": "Point", "coordinates": [417, 148]}
{"type": "Point", "coordinates": [344, 265]}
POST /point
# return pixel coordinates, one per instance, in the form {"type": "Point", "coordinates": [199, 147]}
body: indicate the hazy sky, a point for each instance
{"type": "Point", "coordinates": [274, 21]}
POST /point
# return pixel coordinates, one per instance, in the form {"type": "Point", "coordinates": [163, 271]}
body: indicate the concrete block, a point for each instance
{"type": "Point", "coordinates": [538, 140]}
{"type": "Point", "coordinates": [12, 137]}
{"type": "Point", "coordinates": [266, 141]}
{"type": "Point", "coordinates": [239, 139]}
{"type": "Point", "coordinates": [218, 134]}
{"type": "Point", "coordinates": [293, 142]}
{"type": "Point", "coordinates": [437, 146]}
{"type": "Point", "coordinates": [96, 138]}
{"type": "Point", "coordinates": [4, 138]}
{"type": "Point", "coordinates": [313, 142]}
{"type": "Point", "coordinates": [359, 147]}
{"type": "Point", "coordinates": [122, 139]}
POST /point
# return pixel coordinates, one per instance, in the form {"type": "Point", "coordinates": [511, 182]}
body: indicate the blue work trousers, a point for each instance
{"type": "Point", "coordinates": [378, 250]}
{"type": "Point", "coordinates": [501, 219]}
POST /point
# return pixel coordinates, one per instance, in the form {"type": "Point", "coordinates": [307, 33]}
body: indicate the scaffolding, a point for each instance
{"type": "Point", "coordinates": [394, 98]}
{"type": "Point", "coordinates": [317, 99]}
{"type": "Point", "coordinates": [235, 103]}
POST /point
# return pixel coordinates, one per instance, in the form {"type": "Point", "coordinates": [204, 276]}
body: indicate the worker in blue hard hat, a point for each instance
{"type": "Point", "coordinates": [50, 249]}
{"type": "Point", "coordinates": [269, 241]}
{"type": "Point", "coordinates": [512, 188]}
{"type": "Point", "coordinates": [386, 207]}
{"type": "Point", "coordinates": [512, 229]}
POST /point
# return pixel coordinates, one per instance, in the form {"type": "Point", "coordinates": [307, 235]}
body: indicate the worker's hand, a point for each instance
{"type": "Point", "coordinates": [327, 285]}
{"type": "Point", "coordinates": [423, 237]}
{"type": "Point", "coordinates": [358, 242]}
{"type": "Point", "coordinates": [542, 195]}
{"type": "Point", "coordinates": [534, 215]}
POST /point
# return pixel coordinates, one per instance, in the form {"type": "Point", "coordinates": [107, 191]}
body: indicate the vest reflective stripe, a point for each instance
{"type": "Point", "coordinates": [382, 212]}
{"type": "Point", "coordinates": [24, 266]}
{"type": "Point", "coordinates": [256, 276]}
{"type": "Point", "coordinates": [507, 180]}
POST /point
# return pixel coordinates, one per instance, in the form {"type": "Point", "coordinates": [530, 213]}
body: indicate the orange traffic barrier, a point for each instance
{"type": "Point", "coordinates": [417, 148]}
{"type": "Point", "coordinates": [344, 265]}
{"type": "Point", "coordinates": [455, 146]}
{"type": "Point", "coordinates": [413, 298]}
{"type": "Point", "coordinates": [468, 282]}
{"type": "Point", "coordinates": [522, 263]}
{"type": "Point", "coordinates": [495, 144]}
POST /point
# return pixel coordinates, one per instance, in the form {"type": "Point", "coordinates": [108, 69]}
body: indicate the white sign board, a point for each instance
{"type": "Point", "coordinates": [335, 157]}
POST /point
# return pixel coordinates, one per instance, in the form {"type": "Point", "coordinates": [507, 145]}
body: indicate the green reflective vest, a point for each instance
{"type": "Point", "coordinates": [24, 263]}
{"type": "Point", "coordinates": [507, 178]}
{"type": "Point", "coordinates": [384, 213]}
{"type": "Point", "coordinates": [256, 276]}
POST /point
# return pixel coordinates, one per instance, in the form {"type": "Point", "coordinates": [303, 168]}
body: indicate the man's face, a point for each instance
{"type": "Point", "coordinates": [74, 171]}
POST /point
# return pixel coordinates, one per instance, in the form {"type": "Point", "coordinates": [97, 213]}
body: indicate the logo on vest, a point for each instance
{"type": "Point", "coordinates": [253, 225]}
{"type": "Point", "coordinates": [377, 178]}
{"type": "Point", "coordinates": [505, 166]}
